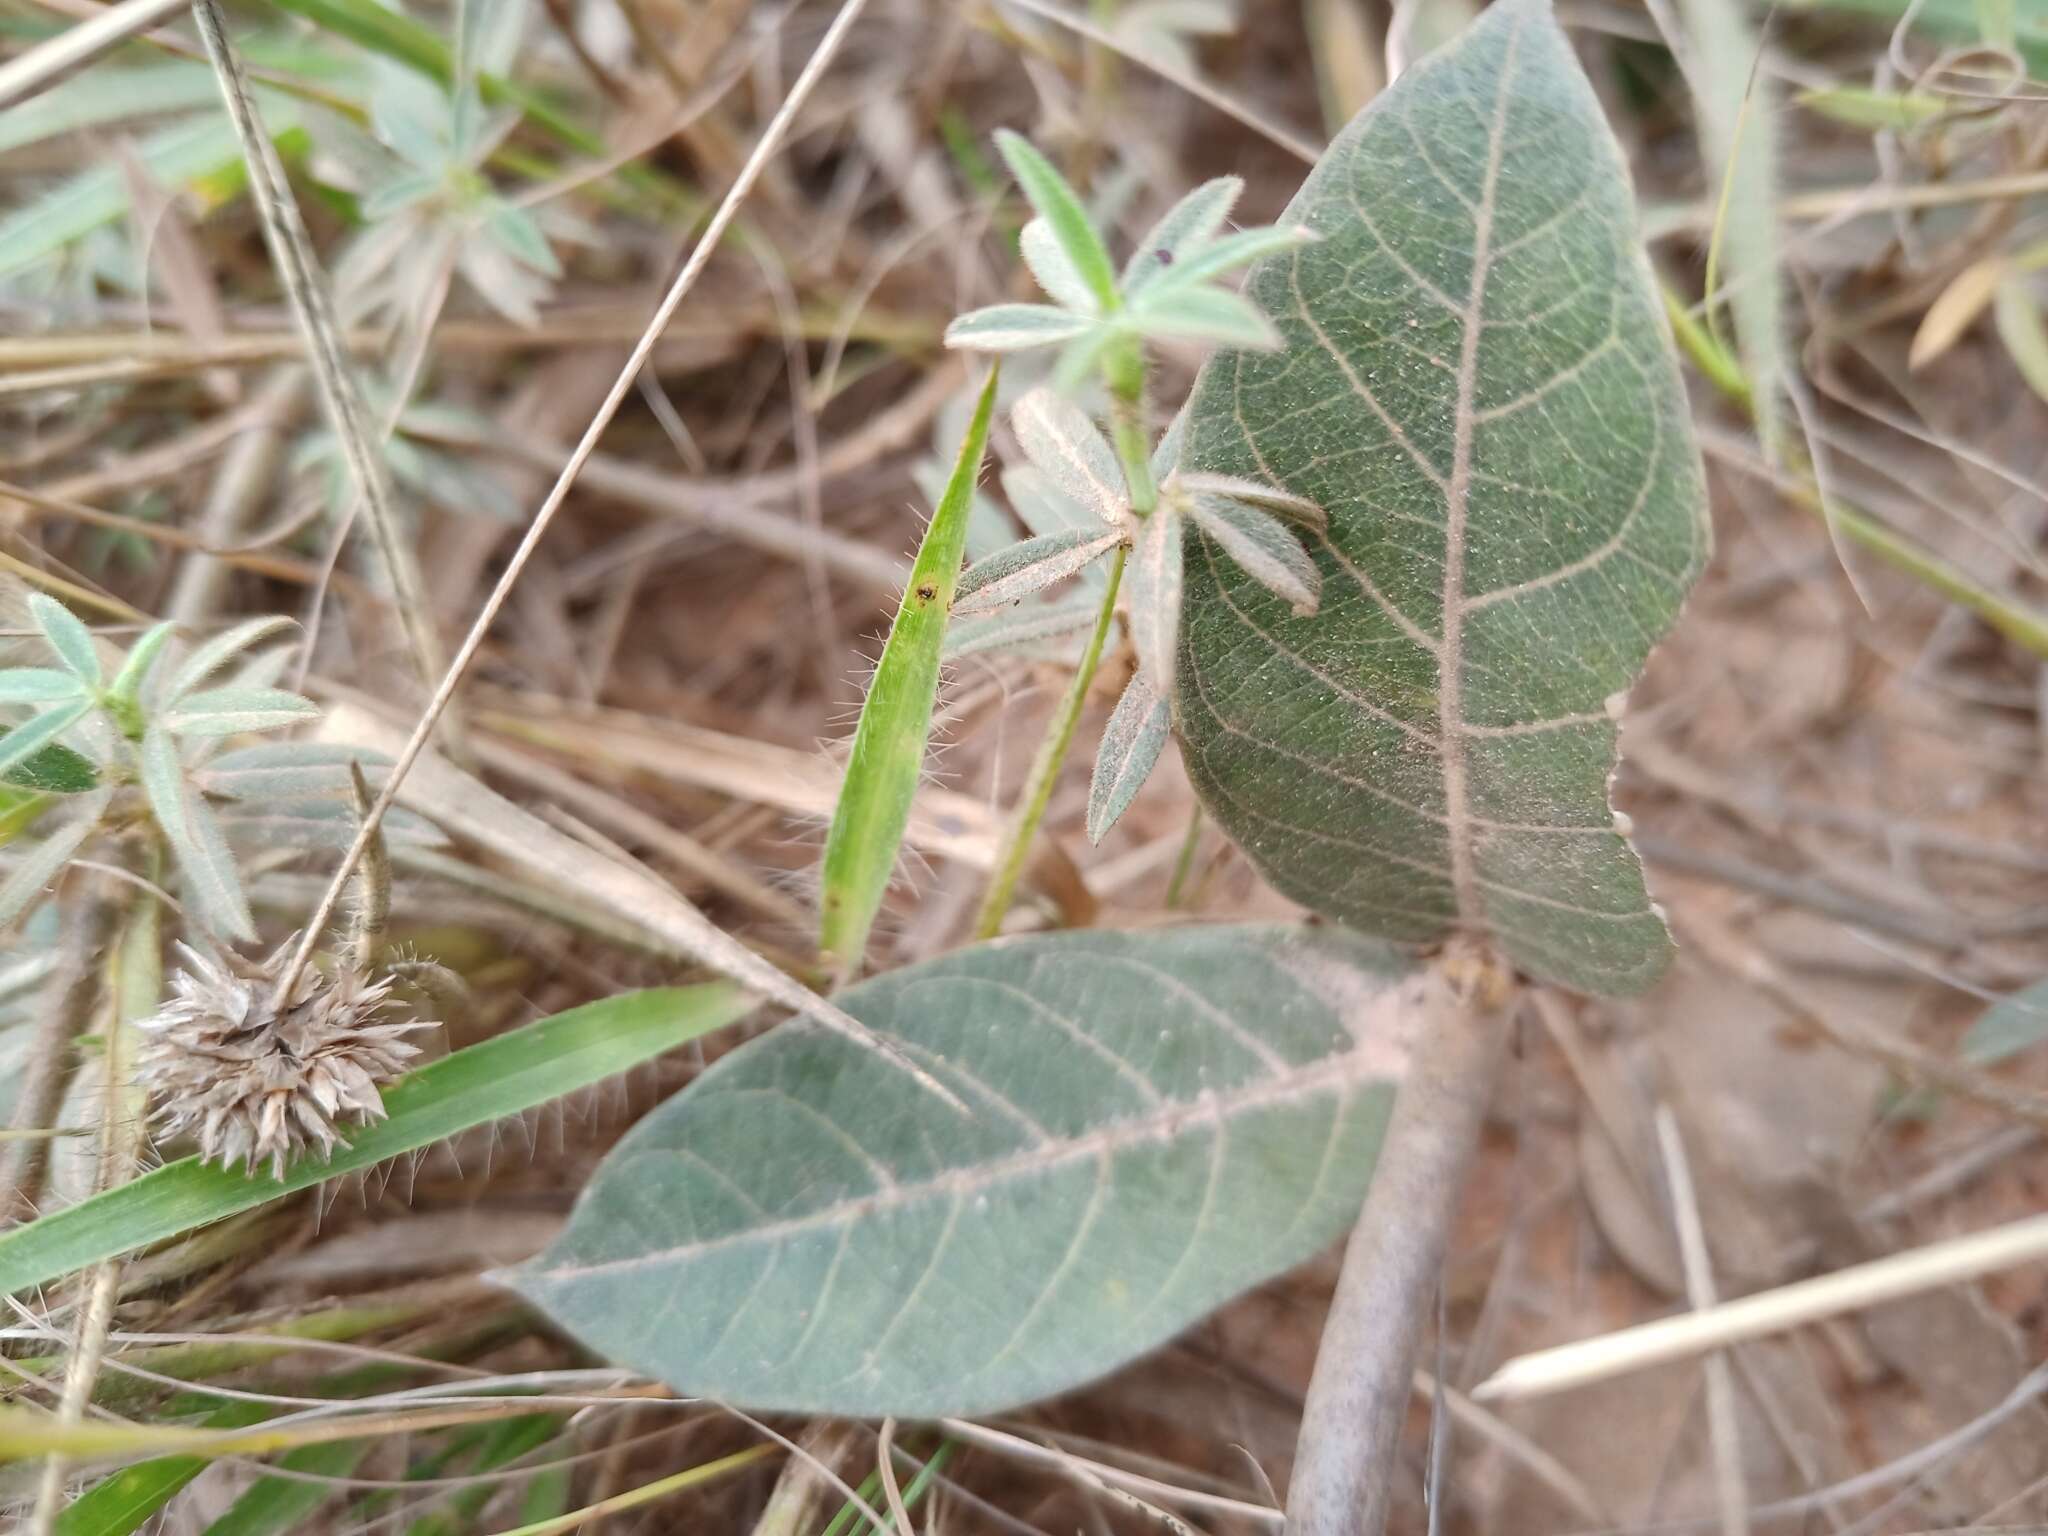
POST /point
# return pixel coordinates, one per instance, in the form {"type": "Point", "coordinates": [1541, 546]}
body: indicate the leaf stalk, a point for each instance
{"type": "Point", "coordinates": [1365, 1367]}
{"type": "Point", "coordinates": [1045, 767]}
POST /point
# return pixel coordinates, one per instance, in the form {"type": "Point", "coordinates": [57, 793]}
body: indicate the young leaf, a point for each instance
{"type": "Point", "coordinates": [1202, 314]}
{"type": "Point", "coordinates": [1187, 225]}
{"type": "Point", "coordinates": [142, 657]}
{"type": "Point", "coordinates": [38, 685]}
{"type": "Point", "coordinates": [1263, 547]}
{"type": "Point", "coordinates": [231, 711]}
{"type": "Point", "coordinates": [1042, 506]}
{"type": "Point", "coordinates": [1070, 450]}
{"type": "Point", "coordinates": [210, 657]}
{"type": "Point", "coordinates": [1156, 577]}
{"type": "Point", "coordinates": [287, 770]}
{"type": "Point", "coordinates": [31, 877]}
{"type": "Point", "coordinates": [195, 838]}
{"type": "Point", "coordinates": [55, 770]}
{"type": "Point", "coordinates": [1158, 1121]}
{"type": "Point", "coordinates": [1228, 254]}
{"type": "Point", "coordinates": [1271, 497]}
{"type": "Point", "coordinates": [896, 719]}
{"type": "Point", "coordinates": [1508, 536]}
{"type": "Point", "coordinates": [25, 743]}
{"type": "Point", "coordinates": [71, 640]}
{"type": "Point", "coordinates": [1060, 206]}
{"type": "Point", "coordinates": [2013, 1024]}
{"type": "Point", "coordinates": [1015, 573]}
{"type": "Point", "coordinates": [1015, 327]}
{"type": "Point", "coordinates": [1131, 744]}
{"type": "Point", "coordinates": [506, 1075]}
{"type": "Point", "coordinates": [1021, 629]}
{"type": "Point", "coordinates": [1055, 270]}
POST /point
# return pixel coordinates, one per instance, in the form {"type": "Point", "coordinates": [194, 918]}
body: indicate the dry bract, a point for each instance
{"type": "Point", "coordinates": [257, 1083]}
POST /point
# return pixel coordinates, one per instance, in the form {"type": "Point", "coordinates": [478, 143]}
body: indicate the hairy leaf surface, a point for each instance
{"type": "Point", "coordinates": [1158, 1122]}
{"type": "Point", "coordinates": [1479, 387]}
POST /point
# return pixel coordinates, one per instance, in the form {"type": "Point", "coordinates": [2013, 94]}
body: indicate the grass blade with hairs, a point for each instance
{"type": "Point", "coordinates": [1514, 521]}
{"type": "Point", "coordinates": [896, 721]}
{"type": "Point", "coordinates": [504, 1076]}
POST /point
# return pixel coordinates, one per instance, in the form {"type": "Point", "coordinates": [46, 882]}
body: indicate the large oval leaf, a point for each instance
{"type": "Point", "coordinates": [1479, 387]}
{"type": "Point", "coordinates": [1158, 1122]}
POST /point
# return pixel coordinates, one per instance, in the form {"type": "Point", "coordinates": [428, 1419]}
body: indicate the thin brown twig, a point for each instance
{"type": "Point", "coordinates": [291, 251]}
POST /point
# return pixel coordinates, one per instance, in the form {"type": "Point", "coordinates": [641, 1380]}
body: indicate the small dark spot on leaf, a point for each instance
{"type": "Point", "coordinates": [927, 593]}
{"type": "Point", "coordinates": [1165, 258]}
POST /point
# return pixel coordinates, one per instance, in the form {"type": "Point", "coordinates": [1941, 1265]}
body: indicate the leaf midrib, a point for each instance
{"type": "Point", "coordinates": [1330, 1075]}
{"type": "Point", "coordinates": [1457, 499]}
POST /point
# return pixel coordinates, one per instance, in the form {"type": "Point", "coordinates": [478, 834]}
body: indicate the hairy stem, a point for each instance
{"type": "Point", "coordinates": [1045, 768]}
{"type": "Point", "coordinates": [291, 251]}
{"type": "Point", "coordinates": [1365, 1368]}
{"type": "Point", "coordinates": [1125, 375]}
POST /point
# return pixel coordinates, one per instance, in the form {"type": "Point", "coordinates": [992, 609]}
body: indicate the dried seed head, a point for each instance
{"type": "Point", "coordinates": [256, 1083]}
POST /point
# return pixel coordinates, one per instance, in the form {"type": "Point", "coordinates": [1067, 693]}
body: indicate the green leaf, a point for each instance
{"type": "Point", "coordinates": [1131, 744]}
{"type": "Point", "coordinates": [104, 96]}
{"type": "Point", "coordinates": [56, 770]}
{"type": "Point", "coordinates": [517, 234]}
{"type": "Point", "coordinates": [122, 1503]}
{"type": "Point", "coordinates": [1070, 451]}
{"type": "Point", "coordinates": [1021, 628]}
{"type": "Point", "coordinates": [274, 1505]}
{"type": "Point", "coordinates": [210, 657]}
{"type": "Point", "coordinates": [1156, 582]}
{"type": "Point", "coordinates": [1736, 104]}
{"type": "Point", "coordinates": [288, 770]}
{"type": "Point", "coordinates": [195, 838]}
{"type": "Point", "coordinates": [1053, 269]}
{"type": "Point", "coordinates": [1263, 547]}
{"type": "Point", "coordinates": [71, 640]}
{"type": "Point", "coordinates": [231, 711]}
{"type": "Point", "coordinates": [178, 156]}
{"type": "Point", "coordinates": [1158, 1121]}
{"type": "Point", "coordinates": [1012, 574]}
{"type": "Point", "coordinates": [2009, 1026]}
{"type": "Point", "coordinates": [133, 677]}
{"type": "Point", "coordinates": [1186, 226]}
{"type": "Point", "coordinates": [896, 718]}
{"type": "Point", "coordinates": [1202, 314]}
{"type": "Point", "coordinates": [1060, 206]}
{"type": "Point", "coordinates": [507, 1075]}
{"type": "Point", "coordinates": [27, 745]}
{"type": "Point", "coordinates": [30, 878]}
{"type": "Point", "coordinates": [1015, 327]}
{"type": "Point", "coordinates": [38, 685]}
{"type": "Point", "coordinates": [1479, 390]}
{"type": "Point", "coordinates": [1227, 255]}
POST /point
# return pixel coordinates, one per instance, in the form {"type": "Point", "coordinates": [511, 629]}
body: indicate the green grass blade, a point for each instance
{"type": "Point", "coordinates": [178, 156]}
{"type": "Point", "coordinates": [502, 1445]}
{"type": "Point", "coordinates": [123, 1503]}
{"type": "Point", "coordinates": [275, 1505]}
{"type": "Point", "coordinates": [504, 1076]}
{"type": "Point", "coordinates": [896, 721]}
